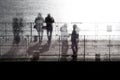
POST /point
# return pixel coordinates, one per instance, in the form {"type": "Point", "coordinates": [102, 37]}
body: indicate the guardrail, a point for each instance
{"type": "Point", "coordinates": [89, 45]}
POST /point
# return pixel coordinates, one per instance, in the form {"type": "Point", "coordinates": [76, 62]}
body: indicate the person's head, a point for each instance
{"type": "Point", "coordinates": [65, 25]}
{"type": "Point", "coordinates": [49, 15]}
{"type": "Point", "coordinates": [15, 20]}
{"type": "Point", "coordinates": [39, 14]}
{"type": "Point", "coordinates": [21, 19]}
{"type": "Point", "coordinates": [74, 27]}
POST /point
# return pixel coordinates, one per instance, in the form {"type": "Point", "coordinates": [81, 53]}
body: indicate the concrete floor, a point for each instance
{"type": "Point", "coordinates": [52, 52]}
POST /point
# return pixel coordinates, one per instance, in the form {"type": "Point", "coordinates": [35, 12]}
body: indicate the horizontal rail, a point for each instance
{"type": "Point", "coordinates": [67, 55]}
{"type": "Point", "coordinates": [67, 22]}
{"type": "Point", "coordinates": [83, 38]}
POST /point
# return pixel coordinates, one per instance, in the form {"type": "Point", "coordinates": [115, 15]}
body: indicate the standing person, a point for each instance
{"type": "Point", "coordinates": [38, 26]}
{"type": "Point", "coordinates": [49, 21]}
{"type": "Point", "coordinates": [16, 31]}
{"type": "Point", "coordinates": [21, 24]}
{"type": "Point", "coordinates": [64, 39]}
{"type": "Point", "coordinates": [75, 41]}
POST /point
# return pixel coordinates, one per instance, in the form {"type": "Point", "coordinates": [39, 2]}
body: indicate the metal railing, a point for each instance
{"type": "Point", "coordinates": [89, 45]}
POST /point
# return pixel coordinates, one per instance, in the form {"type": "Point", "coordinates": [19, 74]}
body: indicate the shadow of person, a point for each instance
{"type": "Point", "coordinates": [45, 47]}
{"type": "Point", "coordinates": [12, 53]}
{"type": "Point", "coordinates": [33, 48]}
{"type": "Point", "coordinates": [38, 49]}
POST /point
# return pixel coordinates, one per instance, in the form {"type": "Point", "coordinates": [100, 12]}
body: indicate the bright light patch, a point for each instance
{"type": "Point", "coordinates": [90, 10]}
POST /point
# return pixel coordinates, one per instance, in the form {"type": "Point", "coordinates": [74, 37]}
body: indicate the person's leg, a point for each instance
{"type": "Point", "coordinates": [63, 57]}
{"type": "Point", "coordinates": [39, 36]}
{"type": "Point", "coordinates": [14, 41]}
{"type": "Point", "coordinates": [42, 35]}
{"type": "Point", "coordinates": [17, 38]}
{"type": "Point", "coordinates": [35, 38]}
{"type": "Point", "coordinates": [74, 56]}
{"type": "Point", "coordinates": [50, 37]}
{"type": "Point", "coordinates": [76, 50]}
{"type": "Point", "coordinates": [48, 34]}
{"type": "Point", "coordinates": [66, 47]}
{"type": "Point", "coordinates": [73, 49]}
{"type": "Point", "coordinates": [14, 37]}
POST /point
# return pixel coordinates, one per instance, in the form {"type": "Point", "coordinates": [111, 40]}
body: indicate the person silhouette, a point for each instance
{"type": "Point", "coordinates": [75, 41]}
{"type": "Point", "coordinates": [21, 24]}
{"type": "Point", "coordinates": [49, 21]}
{"type": "Point", "coordinates": [17, 29]}
{"type": "Point", "coordinates": [64, 39]}
{"type": "Point", "coordinates": [15, 33]}
{"type": "Point", "coordinates": [38, 26]}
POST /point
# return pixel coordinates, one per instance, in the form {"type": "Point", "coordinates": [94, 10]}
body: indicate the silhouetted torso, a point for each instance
{"type": "Point", "coordinates": [74, 37]}
{"type": "Point", "coordinates": [49, 21]}
{"type": "Point", "coordinates": [39, 23]}
{"type": "Point", "coordinates": [39, 20]}
{"type": "Point", "coordinates": [16, 30]}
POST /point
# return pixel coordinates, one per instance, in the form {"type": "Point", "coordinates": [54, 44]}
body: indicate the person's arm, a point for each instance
{"type": "Point", "coordinates": [61, 29]}
{"type": "Point", "coordinates": [67, 34]}
{"type": "Point", "coordinates": [45, 20]}
{"type": "Point", "coordinates": [77, 38]}
{"type": "Point", "coordinates": [72, 37]}
{"type": "Point", "coordinates": [35, 20]}
{"type": "Point", "coordinates": [53, 21]}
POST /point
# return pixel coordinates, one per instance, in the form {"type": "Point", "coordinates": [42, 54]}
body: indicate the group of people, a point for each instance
{"type": "Point", "coordinates": [39, 21]}
{"type": "Point", "coordinates": [39, 26]}
{"type": "Point", "coordinates": [74, 41]}
{"type": "Point", "coordinates": [64, 34]}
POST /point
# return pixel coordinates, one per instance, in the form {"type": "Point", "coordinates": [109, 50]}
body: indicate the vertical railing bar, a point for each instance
{"type": "Point", "coordinates": [31, 30]}
{"type": "Point", "coordinates": [0, 48]}
{"type": "Point", "coordinates": [5, 31]}
{"type": "Point", "coordinates": [109, 47]}
{"type": "Point", "coordinates": [59, 49]}
{"type": "Point", "coordinates": [84, 48]}
{"type": "Point", "coordinates": [31, 34]}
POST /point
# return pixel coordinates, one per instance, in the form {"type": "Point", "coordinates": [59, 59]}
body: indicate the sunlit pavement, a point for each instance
{"type": "Point", "coordinates": [52, 52]}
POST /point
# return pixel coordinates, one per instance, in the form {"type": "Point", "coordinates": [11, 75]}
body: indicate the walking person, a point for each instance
{"type": "Point", "coordinates": [49, 22]}
{"type": "Point", "coordinates": [38, 26]}
{"type": "Point", "coordinates": [75, 41]}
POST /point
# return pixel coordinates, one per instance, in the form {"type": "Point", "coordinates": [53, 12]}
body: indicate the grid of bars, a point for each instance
{"type": "Point", "coordinates": [107, 46]}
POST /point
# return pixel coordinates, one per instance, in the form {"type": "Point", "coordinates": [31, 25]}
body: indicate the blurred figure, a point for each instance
{"type": "Point", "coordinates": [16, 31]}
{"type": "Point", "coordinates": [49, 21]}
{"type": "Point", "coordinates": [21, 24]}
{"type": "Point", "coordinates": [38, 26]}
{"type": "Point", "coordinates": [75, 41]}
{"type": "Point", "coordinates": [64, 39]}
